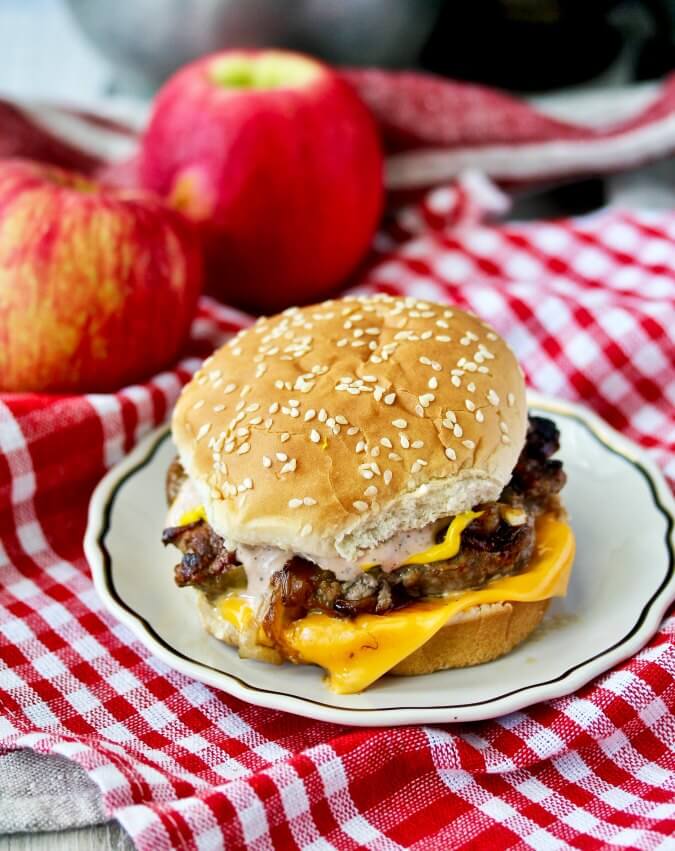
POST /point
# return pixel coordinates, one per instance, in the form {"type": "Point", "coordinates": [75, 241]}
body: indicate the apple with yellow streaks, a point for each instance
{"type": "Point", "coordinates": [276, 157]}
{"type": "Point", "coordinates": [98, 286]}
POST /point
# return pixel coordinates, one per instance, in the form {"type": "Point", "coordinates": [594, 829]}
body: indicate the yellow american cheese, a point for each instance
{"type": "Point", "coordinates": [357, 652]}
{"type": "Point", "coordinates": [449, 546]}
{"type": "Point", "coordinates": [192, 516]}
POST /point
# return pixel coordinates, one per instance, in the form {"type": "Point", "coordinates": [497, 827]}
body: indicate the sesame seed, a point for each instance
{"type": "Point", "coordinates": [293, 403]}
{"type": "Point", "coordinates": [273, 408]}
{"type": "Point", "coordinates": [480, 417]}
{"type": "Point", "coordinates": [352, 430]}
{"type": "Point", "coordinates": [384, 441]}
{"type": "Point", "coordinates": [323, 415]}
{"type": "Point", "coordinates": [432, 383]}
{"type": "Point", "coordinates": [306, 530]}
{"type": "Point", "coordinates": [503, 426]}
{"type": "Point", "coordinates": [289, 466]}
{"type": "Point", "coordinates": [455, 381]}
{"type": "Point", "coordinates": [469, 444]}
{"type": "Point", "coordinates": [248, 484]}
{"type": "Point", "coordinates": [426, 399]}
{"type": "Point", "coordinates": [425, 361]}
{"type": "Point", "coordinates": [492, 397]}
{"type": "Point", "coordinates": [470, 406]}
{"type": "Point", "coordinates": [405, 443]}
{"type": "Point", "coordinates": [511, 400]}
{"type": "Point", "coordinates": [198, 404]}
{"type": "Point", "coordinates": [390, 398]}
{"type": "Point", "coordinates": [243, 449]}
{"type": "Point", "coordinates": [360, 505]}
{"type": "Point", "coordinates": [471, 387]}
{"type": "Point", "coordinates": [387, 476]}
{"type": "Point", "coordinates": [450, 453]}
{"type": "Point", "coordinates": [308, 500]}
{"type": "Point", "coordinates": [360, 447]}
{"type": "Point", "coordinates": [341, 420]}
{"type": "Point", "coordinates": [367, 474]}
{"type": "Point", "coordinates": [218, 408]}
{"type": "Point", "coordinates": [457, 430]}
{"type": "Point", "coordinates": [314, 436]}
{"type": "Point", "coordinates": [371, 490]}
{"type": "Point", "coordinates": [281, 456]}
{"type": "Point", "coordinates": [375, 451]}
{"type": "Point", "coordinates": [267, 461]}
{"type": "Point", "coordinates": [294, 503]}
{"type": "Point", "coordinates": [285, 436]}
{"type": "Point", "coordinates": [417, 444]}
{"type": "Point", "coordinates": [203, 431]}
{"type": "Point", "coordinates": [256, 421]}
{"type": "Point", "coordinates": [506, 438]}
{"type": "Point", "coordinates": [400, 423]}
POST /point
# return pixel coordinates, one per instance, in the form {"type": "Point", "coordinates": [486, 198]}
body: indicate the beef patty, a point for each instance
{"type": "Point", "coordinates": [499, 542]}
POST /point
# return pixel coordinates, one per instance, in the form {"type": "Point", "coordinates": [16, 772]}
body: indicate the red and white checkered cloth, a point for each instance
{"type": "Point", "coordinates": [589, 308]}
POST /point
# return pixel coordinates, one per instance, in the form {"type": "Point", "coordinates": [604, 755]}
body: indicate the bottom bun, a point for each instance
{"type": "Point", "coordinates": [477, 635]}
{"type": "Point", "coordinates": [244, 640]}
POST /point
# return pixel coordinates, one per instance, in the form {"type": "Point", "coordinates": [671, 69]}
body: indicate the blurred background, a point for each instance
{"type": "Point", "coordinates": [585, 61]}
{"type": "Point", "coordinates": [86, 49]}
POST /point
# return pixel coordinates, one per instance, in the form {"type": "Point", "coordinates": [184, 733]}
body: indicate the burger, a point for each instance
{"type": "Point", "coordinates": [358, 486]}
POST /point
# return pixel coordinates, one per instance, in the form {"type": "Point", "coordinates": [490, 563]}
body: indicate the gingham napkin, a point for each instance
{"type": "Point", "coordinates": [589, 308]}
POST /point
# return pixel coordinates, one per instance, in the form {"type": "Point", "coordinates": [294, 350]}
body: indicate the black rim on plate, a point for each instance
{"type": "Point", "coordinates": [150, 630]}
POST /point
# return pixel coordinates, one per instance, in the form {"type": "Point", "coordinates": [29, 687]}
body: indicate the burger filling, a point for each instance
{"type": "Point", "coordinates": [497, 539]}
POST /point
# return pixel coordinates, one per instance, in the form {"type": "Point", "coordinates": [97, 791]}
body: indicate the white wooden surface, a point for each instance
{"type": "Point", "coordinates": [108, 837]}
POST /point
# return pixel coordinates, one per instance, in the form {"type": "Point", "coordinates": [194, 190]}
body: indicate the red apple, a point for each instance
{"type": "Point", "coordinates": [97, 286]}
{"type": "Point", "coordinates": [278, 159]}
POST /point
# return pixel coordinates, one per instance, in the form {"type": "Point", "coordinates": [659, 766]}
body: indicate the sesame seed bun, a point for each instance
{"type": "Point", "coordinates": [327, 429]}
{"type": "Point", "coordinates": [474, 637]}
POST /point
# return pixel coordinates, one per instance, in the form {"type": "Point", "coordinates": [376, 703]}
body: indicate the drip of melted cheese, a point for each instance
{"type": "Point", "coordinates": [449, 546]}
{"type": "Point", "coordinates": [192, 515]}
{"type": "Point", "coordinates": [357, 652]}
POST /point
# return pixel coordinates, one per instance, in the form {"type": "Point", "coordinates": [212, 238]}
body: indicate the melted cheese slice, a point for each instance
{"type": "Point", "coordinates": [449, 546]}
{"type": "Point", "coordinates": [357, 652]}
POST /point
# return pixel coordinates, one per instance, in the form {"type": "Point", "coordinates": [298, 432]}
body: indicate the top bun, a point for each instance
{"type": "Point", "coordinates": [324, 430]}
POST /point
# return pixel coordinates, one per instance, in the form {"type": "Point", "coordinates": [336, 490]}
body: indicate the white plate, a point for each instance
{"type": "Point", "coordinates": [623, 580]}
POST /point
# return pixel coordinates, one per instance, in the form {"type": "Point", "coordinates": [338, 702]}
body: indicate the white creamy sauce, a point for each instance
{"type": "Point", "coordinates": [260, 563]}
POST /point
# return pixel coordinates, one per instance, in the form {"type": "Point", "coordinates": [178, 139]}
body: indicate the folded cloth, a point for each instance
{"type": "Point", "coordinates": [40, 793]}
{"type": "Point", "coordinates": [588, 306]}
{"type": "Point", "coordinates": [433, 129]}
